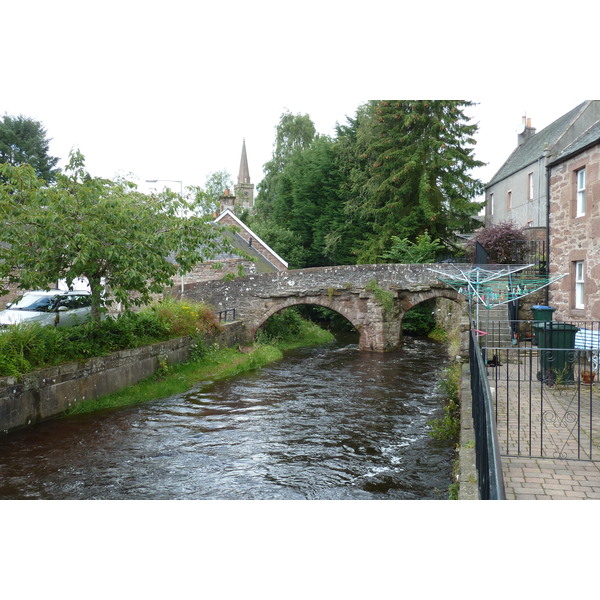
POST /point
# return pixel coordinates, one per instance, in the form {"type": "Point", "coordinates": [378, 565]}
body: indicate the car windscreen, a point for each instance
{"type": "Point", "coordinates": [37, 302]}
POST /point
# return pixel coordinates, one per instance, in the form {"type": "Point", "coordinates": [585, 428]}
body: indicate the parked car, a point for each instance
{"type": "Point", "coordinates": [55, 307]}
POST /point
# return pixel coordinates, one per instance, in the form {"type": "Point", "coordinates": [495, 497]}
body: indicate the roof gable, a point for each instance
{"type": "Point", "coordinates": [589, 137]}
{"type": "Point", "coordinates": [537, 146]}
{"type": "Point", "coordinates": [244, 227]}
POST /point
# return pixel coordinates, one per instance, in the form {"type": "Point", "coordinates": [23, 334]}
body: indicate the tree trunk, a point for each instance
{"type": "Point", "coordinates": [96, 289]}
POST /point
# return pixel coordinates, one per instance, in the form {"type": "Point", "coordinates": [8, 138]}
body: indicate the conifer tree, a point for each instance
{"type": "Point", "coordinates": [419, 155]}
{"type": "Point", "coordinates": [23, 141]}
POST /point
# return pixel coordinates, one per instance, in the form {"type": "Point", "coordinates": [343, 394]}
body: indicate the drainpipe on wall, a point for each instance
{"type": "Point", "coordinates": [548, 169]}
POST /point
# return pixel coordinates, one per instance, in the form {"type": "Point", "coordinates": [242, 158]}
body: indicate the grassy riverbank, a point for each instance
{"type": "Point", "coordinates": [213, 364]}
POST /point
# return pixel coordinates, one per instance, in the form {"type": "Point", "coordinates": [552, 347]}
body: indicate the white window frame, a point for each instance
{"type": "Point", "coordinates": [580, 205]}
{"type": "Point", "coordinates": [530, 186]}
{"type": "Point", "coordinates": [579, 284]}
{"type": "Point", "coordinates": [509, 200]}
{"type": "Point", "coordinates": [492, 205]}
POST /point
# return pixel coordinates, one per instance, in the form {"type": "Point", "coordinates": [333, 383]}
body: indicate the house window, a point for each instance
{"type": "Point", "coordinates": [509, 200]}
{"type": "Point", "coordinates": [530, 186]}
{"type": "Point", "coordinates": [579, 285]}
{"type": "Point", "coordinates": [492, 204]}
{"type": "Point", "coordinates": [580, 211]}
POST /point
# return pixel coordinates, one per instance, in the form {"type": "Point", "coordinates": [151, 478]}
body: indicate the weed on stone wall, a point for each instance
{"type": "Point", "coordinates": [384, 298]}
{"type": "Point", "coordinates": [447, 427]}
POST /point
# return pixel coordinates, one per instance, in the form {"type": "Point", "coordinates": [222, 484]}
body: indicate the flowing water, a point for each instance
{"type": "Point", "coordinates": [323, 423]}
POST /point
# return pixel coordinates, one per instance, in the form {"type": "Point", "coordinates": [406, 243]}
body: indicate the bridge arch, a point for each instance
{"type": "Point", "coordinates": [373, 298]}
{"type": "Point", "coordinates": [341, 307]}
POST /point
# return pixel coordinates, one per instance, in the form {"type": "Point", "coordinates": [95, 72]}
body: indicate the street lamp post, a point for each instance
{"type": "Point", "coordinates": [170, 181]}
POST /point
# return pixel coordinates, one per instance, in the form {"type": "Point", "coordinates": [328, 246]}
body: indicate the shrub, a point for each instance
{"type": "Point", "coordinates": [505, 243]}
{"type": "Point", "coordinates": [282, 325]}
{"type": "Point", "coordinates": [24, 348]}
{"type": "Point", "coordinates": [423, 250]}
{"type": "Point", "coordinates": [186, 318]}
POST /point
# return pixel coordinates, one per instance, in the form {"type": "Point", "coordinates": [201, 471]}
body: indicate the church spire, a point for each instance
{"type": "Point", "coordinates": [244, 190]}
{"type": "Point", "coordinates": [244, 174]}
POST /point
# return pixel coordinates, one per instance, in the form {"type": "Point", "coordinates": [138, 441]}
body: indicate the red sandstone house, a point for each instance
{"type": "Point", "coordinates": [550, 185]}
{"type": "Point", "coordinates": [574, 228]}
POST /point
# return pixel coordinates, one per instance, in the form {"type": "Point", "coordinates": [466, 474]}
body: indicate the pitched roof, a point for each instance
{"type": "Point", "coordinates": [245, 228]}
{"type": "Point", "coordinates": [589, 137]}
{"type": "Point", "coordinates": [533, 148]}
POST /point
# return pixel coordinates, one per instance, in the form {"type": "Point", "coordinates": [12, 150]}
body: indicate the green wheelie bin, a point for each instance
{"type": "Point", "coordinates": [556, 342]}
{"type": "Point", "coordinates": [541, 314]}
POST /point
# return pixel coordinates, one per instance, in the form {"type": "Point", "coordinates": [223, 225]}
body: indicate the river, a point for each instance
{"type": "Point", "coordinates": [323, 423]}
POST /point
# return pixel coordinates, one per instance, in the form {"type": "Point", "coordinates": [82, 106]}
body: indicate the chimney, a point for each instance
{"type": "Point", "coordinates": [526, 131]}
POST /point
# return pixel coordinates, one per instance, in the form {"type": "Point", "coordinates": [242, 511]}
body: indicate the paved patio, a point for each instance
{"type": "Point", "coordinates": [550, 479]}
{"type": "Point", "coordinates": [549, 433]}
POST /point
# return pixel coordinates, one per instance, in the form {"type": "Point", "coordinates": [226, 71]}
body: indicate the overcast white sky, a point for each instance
{"type": "Point", "coordinates": [169, 90]}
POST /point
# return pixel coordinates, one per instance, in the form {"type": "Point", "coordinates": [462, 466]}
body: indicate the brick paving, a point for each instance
{"type": "Point", "coordinates": [554, 421]}
{"type": "Point", "coordinates": [551, 421]}
{"type": "Point", "coordinates": [550, 479]}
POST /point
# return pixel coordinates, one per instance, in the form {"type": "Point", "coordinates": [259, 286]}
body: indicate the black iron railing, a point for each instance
{"type": "Point", "coordinates": [531, 252]}
{"type": "Point", "coordinates": [226, 316]}
{"type": "Point", "coordinates": [544, 384]}
{"type": "Point", "coordinates": [487, 449]}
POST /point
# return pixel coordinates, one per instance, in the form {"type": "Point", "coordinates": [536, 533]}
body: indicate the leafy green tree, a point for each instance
{"type": "Point", "coordinates": [423, 250]}
{"type": "Point", "coordinates": [412, 172]}
{"type": "Point", "coordinates": [23, 141]}
{"type": "Point", "coordinates": [127, 244]}
{"type": "Point", "coordinates": [294, 133]}
{"type": "Point", "coordinates": [308, 201]}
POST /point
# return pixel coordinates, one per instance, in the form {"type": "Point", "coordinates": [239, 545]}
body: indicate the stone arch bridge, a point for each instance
{"type": "Point", "coordinates": [374, 298]}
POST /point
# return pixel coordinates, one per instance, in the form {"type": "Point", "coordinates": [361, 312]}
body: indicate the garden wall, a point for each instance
{"type": "Point", "coordinates": [49, 392]}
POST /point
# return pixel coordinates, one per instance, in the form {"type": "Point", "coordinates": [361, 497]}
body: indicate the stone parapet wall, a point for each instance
{"type": "Point", "coordinates": [49, 392]}
{"type": "Point", "coordinates": [214, 270]}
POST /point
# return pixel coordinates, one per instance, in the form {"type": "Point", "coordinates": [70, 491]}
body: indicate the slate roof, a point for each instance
{"type": "Point", "coordinates": [239, 249]}
{"type": "Point", "coordinates": [588, 138]}
{"type": "Point", "coordinates": [533, 148]}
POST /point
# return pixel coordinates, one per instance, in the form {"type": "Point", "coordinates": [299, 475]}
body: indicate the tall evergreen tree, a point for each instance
{"type": "Point", "coordinates": [23, 141]}
{"type": "Point", "coordinates": [294, 134]}
{"type": "Point", "coordinates": [418, 156]}
{"type": "Point", "coordinates": [308, 201]}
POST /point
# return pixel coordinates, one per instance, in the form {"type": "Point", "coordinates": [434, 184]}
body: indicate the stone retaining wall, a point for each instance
{"type": "Point", "coordinates": [49, 392]}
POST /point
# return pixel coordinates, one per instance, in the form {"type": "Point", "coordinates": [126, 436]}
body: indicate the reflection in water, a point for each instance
{"type": "Point", "coordinates": [324, 423]}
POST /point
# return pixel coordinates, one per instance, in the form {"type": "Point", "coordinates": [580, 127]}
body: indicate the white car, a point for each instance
{"type": "Point", "coordinates": [55, 307]}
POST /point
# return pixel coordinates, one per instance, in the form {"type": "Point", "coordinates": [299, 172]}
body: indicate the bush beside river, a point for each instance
{"type": "Point", "coordinates": [25, 348]}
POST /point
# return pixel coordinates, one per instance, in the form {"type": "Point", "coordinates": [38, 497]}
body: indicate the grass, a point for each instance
{"type": "Point", "coordinates": [218, 363]}
{"type": "Point", "coordinates": [447, 427]}
{"type": "Point", "coordinates": [211, 364]}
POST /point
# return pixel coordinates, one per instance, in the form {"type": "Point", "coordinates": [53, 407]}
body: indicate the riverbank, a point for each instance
{"type": "Point", "coordinates": [215, 364]}
{"type": "Point", "coordinates": [92, 384]}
